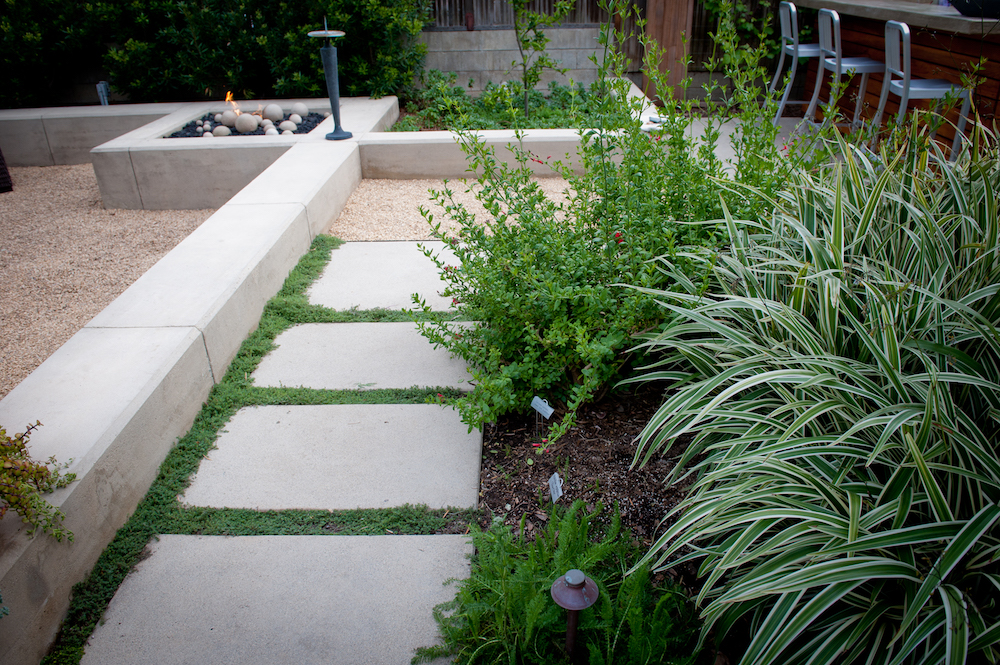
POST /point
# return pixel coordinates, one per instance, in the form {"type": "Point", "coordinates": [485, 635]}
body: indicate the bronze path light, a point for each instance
{"type": "Point", "coordinates": [574, 591]}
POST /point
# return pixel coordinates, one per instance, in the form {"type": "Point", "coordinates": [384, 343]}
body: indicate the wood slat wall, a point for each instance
{"type": "Point", "coordinates": [667, 22]}
{"type": "Point", "coordinates": [450, 14]}
{"type": "Point", "coordinates": [934, 54]}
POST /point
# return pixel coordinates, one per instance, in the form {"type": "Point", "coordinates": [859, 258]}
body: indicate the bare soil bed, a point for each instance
{"type": "Point", "coordinates": [594, 460]}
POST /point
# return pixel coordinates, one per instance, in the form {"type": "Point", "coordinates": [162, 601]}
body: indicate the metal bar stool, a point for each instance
{"type": "Point", "coordinates": [833, 60]}
{"type": "Point", "coordinates": [788, 17]}
{"type": "Point", "coordinates": [897, 41]}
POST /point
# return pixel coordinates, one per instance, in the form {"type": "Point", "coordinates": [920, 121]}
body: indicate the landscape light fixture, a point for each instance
{"type": "Point", "coordinates": [329, 55]}
{"type": "Point", "coordinates": [573, 592]}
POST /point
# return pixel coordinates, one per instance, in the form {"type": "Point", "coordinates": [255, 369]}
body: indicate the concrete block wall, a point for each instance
{"type": "Point", "coordinates": [481, 56]}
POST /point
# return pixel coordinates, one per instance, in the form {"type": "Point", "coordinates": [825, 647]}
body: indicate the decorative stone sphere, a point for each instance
{"type": "Point", "coordinates": [266, 122]}
{"type": "Point", "coordinates": [326, 115]}
{"type": "Point", "coordinates": [287, 132]}
{"type": "Point", "coordinates": [199, 130]}
{"type": "Point", "coordinates": [288, 126]}
{"type": "Point", "coordinates": [222, 130]}
{"type": "Point", "coordinates": [207, 135]}
{"type": "Point", "coordinates": [300, 108]}
{"type": "Point", "coordinates": [246, 123]}
{"type": "Point", "coordinates": [271, 131]}
{"type": "Point", "coordinates": [273, 112]}
{"type": "Point", "coordinates": [218, 117]}
{"type": "Point", "coordinates": [296, 118]}
{"type": "Point", "coordinates": [229, 118]}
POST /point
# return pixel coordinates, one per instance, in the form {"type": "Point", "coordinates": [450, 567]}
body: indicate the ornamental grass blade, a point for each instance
{"type": "Point", "coordinates": [794, 626]}
{"type": "Point", "coordinates": [956, 625]}
{"type": "Point", "coordinates": [956, 550]}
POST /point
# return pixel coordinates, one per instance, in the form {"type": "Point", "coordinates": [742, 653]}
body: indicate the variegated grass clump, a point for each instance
{"type": "Point", "coordinates": [840, 378]}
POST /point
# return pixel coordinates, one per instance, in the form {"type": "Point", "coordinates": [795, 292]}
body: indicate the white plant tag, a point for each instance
{"type": "Point", "coordinates": [555, 486]}
{"type": "Point", "coordinates": [541, 406]}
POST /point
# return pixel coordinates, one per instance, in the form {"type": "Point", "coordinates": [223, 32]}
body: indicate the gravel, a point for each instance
{"type": "Point", "coordinates": [389, 209]}
{"type": "Point", "coordinates": [64, 258]}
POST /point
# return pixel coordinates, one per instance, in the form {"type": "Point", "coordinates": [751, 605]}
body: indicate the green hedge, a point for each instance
{"type": "Point", "coordinates": [163, 50]}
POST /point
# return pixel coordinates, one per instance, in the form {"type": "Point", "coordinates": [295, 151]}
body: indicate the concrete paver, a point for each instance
{"type": "Point", "coordinates": [347, 356]}
{"type": "Point", "coordinates": [341, 457]}
{"type": "Point", "coordinates": [262, 600]}
{"type": "Point", "coordinates": [382, 274]}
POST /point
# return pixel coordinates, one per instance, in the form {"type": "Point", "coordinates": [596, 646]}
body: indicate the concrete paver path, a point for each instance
{"type": "Point", "coordinates": [351, 356]}
{"type": "Point", "coordinates": [341, 457]}
{"type": "Point", "coordinates": [382, 274]}
{"type": "Point", "coordinates": [253, 600]}
{"type": "Point", "coordinates": [269, 600]}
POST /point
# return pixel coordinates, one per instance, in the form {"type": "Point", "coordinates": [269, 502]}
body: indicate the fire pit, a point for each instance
{"type": "Point", "coordinates": [270, 120]}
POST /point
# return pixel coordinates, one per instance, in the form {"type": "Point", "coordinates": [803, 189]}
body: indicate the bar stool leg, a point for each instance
{"type": "Point", "coordinates": [814, 102]}
{"type": "Point", "coordinates": [960, 128]}
{"type": "Point", "coordinates": [777, 74]}
{"type": "Point", "coordinates": [788, 90]}
{"type": "Point", "coordinates": [862, 89]}
{"type": "Point", "coordinates": [904, 101]}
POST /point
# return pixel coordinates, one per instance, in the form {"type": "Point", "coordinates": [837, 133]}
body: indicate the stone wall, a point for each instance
{"type": "Point", "coordinates": [486, 55]}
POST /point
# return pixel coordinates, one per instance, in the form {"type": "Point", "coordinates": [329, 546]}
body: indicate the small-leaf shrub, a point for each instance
{"type": "Point", "coordinates": [529, 33]}
{"type": "Point", "coordinates": [841, 379]}
{"type": "Point", "coordinates": [543, 280]}
{"type": "Point", "coordinates": [23, 480]}
{"type": "Point", "coordinates": [504, 612]}
{"type": "Point", "coordinates": [181, 49]}
{"type": "Point", "coordinates": [440, 103]}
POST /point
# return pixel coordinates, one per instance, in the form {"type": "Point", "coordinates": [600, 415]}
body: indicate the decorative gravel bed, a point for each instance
{"type": "Point", "coordinates": [64, 258]}
{"type": "Point", "coordinates": [190, 130]}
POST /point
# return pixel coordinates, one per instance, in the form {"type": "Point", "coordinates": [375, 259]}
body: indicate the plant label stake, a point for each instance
{"type": "Point", "coordinates": [542, 410]}
{"type": "Point", "coordinates": [329, 55]}
{"type": "Point", "coordinates": [574, 591]}
{"type": "Point", "coordinates": [555, 486]}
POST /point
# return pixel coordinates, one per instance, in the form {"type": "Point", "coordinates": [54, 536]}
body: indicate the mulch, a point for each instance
{"type": "Point", "coordinates": [595, 461]}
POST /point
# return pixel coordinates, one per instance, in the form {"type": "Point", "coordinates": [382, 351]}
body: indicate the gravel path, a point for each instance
{"type": "Point", "coordinates": [389, 209]}
{"type": "Point", "coordinates": [64, 258]}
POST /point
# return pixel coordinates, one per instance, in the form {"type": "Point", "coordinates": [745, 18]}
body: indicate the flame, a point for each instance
{"type": "Point", "coordinates": [229, 100]}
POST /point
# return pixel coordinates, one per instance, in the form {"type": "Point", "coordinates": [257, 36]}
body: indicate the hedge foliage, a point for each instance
{"type": "Point", "coordinates": [162, 50]}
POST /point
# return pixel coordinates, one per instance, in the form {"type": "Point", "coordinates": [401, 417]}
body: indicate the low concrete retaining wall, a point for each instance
{"type": "Point", "coordinates": [47, 137]}
{"type": "Point", "coordinates": [413, 155]}
{"type": "Point", "coordinates": [121, 391]}
{"type": "Point", "coordinates": [410, 155]}
{"type": "Point", "coordinates": [143, 170]}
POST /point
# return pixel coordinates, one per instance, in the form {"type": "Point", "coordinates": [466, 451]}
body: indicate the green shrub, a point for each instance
{"type": "Point", "coordinates": [841, 380]}
{"type": "Point", "coordinates": [529, 33]}
{"type": "Point", "coordinates": [543, 281]}
{"type": "Point", "coordinates": [182, 50]}
{"type": "Point", "coordinates": [440, 103]}
{"type": "Point", "coordinates": [504, 612]}
{"type": "Point", "coordinates": [23, 480]}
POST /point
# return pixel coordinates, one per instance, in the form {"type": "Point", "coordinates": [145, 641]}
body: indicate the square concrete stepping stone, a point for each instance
{"type": "Point", "coordinates": [341, 457]}
{"type": "Point", "coordinates": [367, 275]}
{"type": "Point", "coordinates": [348, 356]}
{"type": "Point", "coordinates": [262, 600]}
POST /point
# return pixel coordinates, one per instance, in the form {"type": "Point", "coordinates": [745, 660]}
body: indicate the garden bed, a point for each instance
{"type": "Point", "coordinates": [593, 458]}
